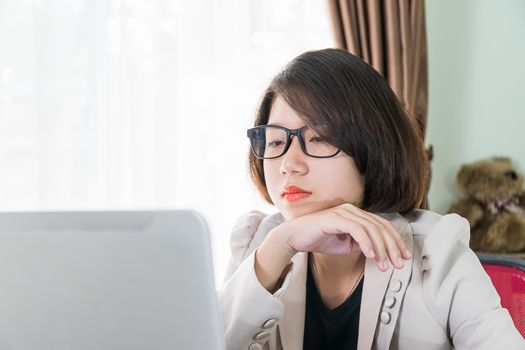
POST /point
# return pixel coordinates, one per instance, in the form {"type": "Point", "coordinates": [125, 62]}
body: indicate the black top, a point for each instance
{"type": "Point", "coordinates": [330, 329]}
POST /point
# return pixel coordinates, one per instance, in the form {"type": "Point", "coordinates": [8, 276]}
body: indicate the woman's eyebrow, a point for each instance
{"type": "Point", "coordinates": [280, 124]}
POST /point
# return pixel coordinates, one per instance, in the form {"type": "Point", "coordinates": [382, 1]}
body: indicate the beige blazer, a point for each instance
{"type": "Point", "coordinates": [441, 299]}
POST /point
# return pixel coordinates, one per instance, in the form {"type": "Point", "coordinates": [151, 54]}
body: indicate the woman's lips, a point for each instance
{"type": "Point", "coordinates": [292, 197]}
{"type": "Point", "coordinates": [294, 193]}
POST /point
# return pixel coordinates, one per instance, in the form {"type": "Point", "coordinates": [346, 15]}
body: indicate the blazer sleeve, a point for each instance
{"type": "Point", "coordinates": [250, 313]}
{"type": "Point", "coordinates": [459, 293]}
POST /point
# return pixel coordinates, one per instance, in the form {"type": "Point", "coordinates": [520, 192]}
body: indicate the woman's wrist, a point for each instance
{"type": "Point", "coordinates": [284, 234]}
{"type": "Point", "coordinates": [272, 257]}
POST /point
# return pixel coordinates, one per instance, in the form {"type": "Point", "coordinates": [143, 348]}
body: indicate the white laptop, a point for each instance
{"type": "Point", "coordinates": [107, 281]}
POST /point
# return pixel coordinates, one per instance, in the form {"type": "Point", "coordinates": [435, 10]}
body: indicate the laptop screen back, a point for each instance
{"type": "Point", "coordinates": [107, 280]}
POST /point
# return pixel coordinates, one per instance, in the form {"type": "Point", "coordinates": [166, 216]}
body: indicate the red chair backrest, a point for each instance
{"type": "Point", "coordinates": [508, 277]}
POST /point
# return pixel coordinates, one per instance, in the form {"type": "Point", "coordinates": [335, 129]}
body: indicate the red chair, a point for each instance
{"type": "Point", "coordinates": [508, 276]}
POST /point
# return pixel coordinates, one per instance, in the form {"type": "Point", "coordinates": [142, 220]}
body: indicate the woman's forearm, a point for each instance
{"type": "Point", "coordinates": [272, 257]}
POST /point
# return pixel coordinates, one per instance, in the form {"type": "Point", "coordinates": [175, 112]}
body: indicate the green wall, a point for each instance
{"type": "Point", "coordinates": [476, 87]}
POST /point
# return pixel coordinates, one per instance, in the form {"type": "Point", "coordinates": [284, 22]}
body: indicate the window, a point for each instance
{"type": "Point", "coordinates": [99, 100]}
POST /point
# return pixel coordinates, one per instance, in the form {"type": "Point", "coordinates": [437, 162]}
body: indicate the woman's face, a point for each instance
{"type": "Point", "coordinates": [327, 182]}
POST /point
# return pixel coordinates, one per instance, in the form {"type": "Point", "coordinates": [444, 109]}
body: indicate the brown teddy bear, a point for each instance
{"type": "Point", "coordinates": [493, 205]}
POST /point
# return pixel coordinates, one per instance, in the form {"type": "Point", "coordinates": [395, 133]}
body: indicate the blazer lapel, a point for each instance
{"type": "Point", "coordinates": [292, 325]}
{"type": "Point", "coordinates": [375, 285]}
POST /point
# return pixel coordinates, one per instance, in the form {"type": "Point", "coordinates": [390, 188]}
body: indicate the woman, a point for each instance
{"type": "Point", "coordinates": [349, 262]}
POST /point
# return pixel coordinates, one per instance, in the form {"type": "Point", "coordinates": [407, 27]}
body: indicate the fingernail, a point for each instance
{"type": "Point", "coordinates": [407, 252]}
{"type": "Point", "coordinates": [400, 263]}
{"type": "Point", "coordinates": [371, 253]}
{"type": "Point", "coordinates": [385, 264]}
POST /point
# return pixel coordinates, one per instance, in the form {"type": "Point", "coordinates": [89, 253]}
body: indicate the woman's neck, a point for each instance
{"type": "Point", "coordinates": [337, 266]}
{"type": "Point", "coordinates": [336, 276]}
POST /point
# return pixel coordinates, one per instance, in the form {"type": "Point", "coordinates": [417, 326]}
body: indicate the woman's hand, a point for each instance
{"type": "Point", "coordinates": [345, 229]}
{"type": "Point", "coordinates": [339, 230]}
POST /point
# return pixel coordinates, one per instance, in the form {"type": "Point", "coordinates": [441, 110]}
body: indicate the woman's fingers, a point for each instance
{"type": "Point", "coordinates": [358, 234]}
{"type": "Point", "coordinates": [387, 242]}
{"type": "Point", "coordinates": [393, 241]}
{"type": "Point", "coordinates": [355, 223]}
{"type": "Point", "coordinates": [405, 252]}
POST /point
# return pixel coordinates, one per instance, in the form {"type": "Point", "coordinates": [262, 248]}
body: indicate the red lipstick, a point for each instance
{"type": "Point", "coordinates": [294, 193]}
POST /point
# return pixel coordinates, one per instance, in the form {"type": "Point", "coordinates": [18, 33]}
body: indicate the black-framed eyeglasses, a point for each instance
{"type": "Point", "coordinates": [272, 141]}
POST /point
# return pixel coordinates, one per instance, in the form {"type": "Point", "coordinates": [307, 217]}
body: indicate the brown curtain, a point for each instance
{"type": "Point", "coordinates": [390, 36]}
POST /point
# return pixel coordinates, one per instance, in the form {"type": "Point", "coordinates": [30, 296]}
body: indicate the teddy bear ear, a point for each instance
{"type": "Point", "coordinates": [502, 159]}
{"type": "Point", "coordinates": [464, 177]}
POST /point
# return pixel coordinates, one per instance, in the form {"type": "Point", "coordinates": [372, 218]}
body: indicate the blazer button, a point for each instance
{"type": "Point", "coordinates": [390, 301]}
{"type": "Point", "coordinates": [269, 323]}
{"type": "Point", "coordinates": [385, 317]}
{"type": "Point", "coordinates": [255, 346]}
{"type": "Point", "coordinates": [261, 335]}
{"type": "Point", "coordinates": [395, 285]}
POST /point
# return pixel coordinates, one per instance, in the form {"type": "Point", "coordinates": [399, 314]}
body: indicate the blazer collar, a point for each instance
{"type": "Point", "coordinates": [374, 286]}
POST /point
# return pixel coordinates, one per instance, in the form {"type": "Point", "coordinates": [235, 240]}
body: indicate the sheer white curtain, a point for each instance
{"type": "Point", "coordinates": [113, 104]}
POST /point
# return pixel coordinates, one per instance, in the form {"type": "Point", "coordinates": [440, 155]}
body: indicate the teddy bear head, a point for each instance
{"type": "Point", "coordinates": [490, 180]}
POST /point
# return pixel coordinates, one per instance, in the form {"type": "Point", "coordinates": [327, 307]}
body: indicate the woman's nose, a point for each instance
{"type": "Point", "coordinates": [293, 161]}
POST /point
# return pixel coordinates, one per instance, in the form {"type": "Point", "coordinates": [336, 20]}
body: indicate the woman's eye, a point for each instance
{"type": "Point", "coordinates": [317, 139]}
{"type": "Point", "coordinates": [275, 144]}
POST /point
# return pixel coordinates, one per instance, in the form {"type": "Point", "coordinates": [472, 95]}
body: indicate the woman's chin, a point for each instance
{"type": "Point", "coordinates": [291, 216]}
{"type": "Point", "coordinates": [297, 212]}
{"type": "Point", "coordinates": [291, 212]}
